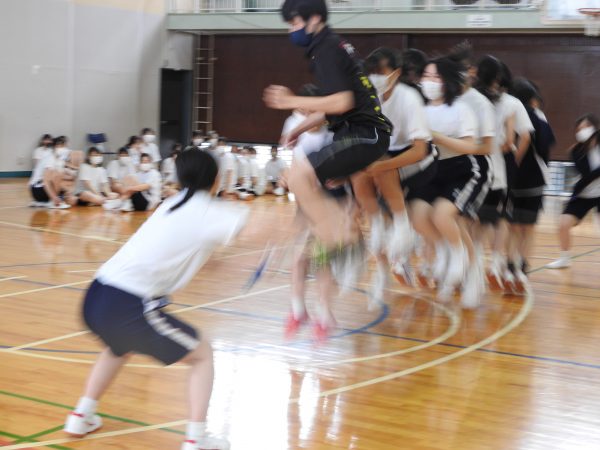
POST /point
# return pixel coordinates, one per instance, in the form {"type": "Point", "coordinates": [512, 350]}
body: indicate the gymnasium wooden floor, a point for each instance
{"type": "Point", "coordinates": [518, 373]}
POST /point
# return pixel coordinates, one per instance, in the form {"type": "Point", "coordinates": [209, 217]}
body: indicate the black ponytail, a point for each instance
{"type": "Point", "coordinates": [196, 171]}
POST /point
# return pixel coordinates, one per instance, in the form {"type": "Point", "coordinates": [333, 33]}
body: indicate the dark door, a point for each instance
{"type": "Point", "coordinates": [175, 108]}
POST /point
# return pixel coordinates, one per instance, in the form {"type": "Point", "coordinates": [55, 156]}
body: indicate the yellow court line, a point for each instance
{"type": "Point", "coordinates": [18, 350]}
{"type": "Point", "coordinates": [515, 322]}
{"type": "Point", "coordinates": [12, 278]}
{"type": "Point", "coordinates": [47, 288]}
{"type": "Point", "coordinates": [451, 331]}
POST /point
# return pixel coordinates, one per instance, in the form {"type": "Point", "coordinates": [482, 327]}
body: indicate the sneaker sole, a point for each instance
{"type": "Point", "coordinates": [79, 436]}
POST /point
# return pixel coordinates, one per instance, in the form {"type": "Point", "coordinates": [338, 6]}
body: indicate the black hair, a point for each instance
{"type": "Point", "coordinates": [462, 53]}
{"type": "Point", "coordinates": [89, 152]}
{"type": "Point", "coordinates": [197, 133]}
{"type": "Point", "coordinates": [196, 171]}
{"type": "Point", "coordinates": [383, 57]}
{"type": "Point", "coordinates": [60, 140]}
{"type": "Point", "coordinates": [45, 137]}
{"type": "Point", "coordinates": [451, 74]}
{"type": "Point", "coordinates": [252, 150]}
{"type": "Point", "coordinates": [133, 140]}
{"type": "Point", "coordinates": [147, 130]}
{"type": "Point", "coordinates": [275, 147]}
{"type": "Point", "coordinates": [145, 155]}
{"type": "Point", "coordinates": [506, 77]}
{"type": "Point", "coordinates": [309, 90]}
{"type": "Point", "coordinates": [489, 71]}
{"type": "Point", "coordinates": [591, 118]}
{"type": "Point", "coordinates": [413, 64]}
{"type": "Point", "coordinates": [524, 90]}
{"type": "Point", "coordinates": [304, 9]}
{"type": "Point", "coordinates": [123, 151]}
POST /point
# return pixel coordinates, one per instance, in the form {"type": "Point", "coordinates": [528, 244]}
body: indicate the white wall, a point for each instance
{"type": "Point", "coordinates": [77, 66]}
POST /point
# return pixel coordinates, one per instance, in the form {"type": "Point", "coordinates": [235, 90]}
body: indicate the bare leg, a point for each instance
{"type": "Point", "coordinates": [94, 199]}
{"type": "Point", "coordinates": [567, 222]}
{"type": "Point", "coordinates": [200, 381]}
{"type": "Point", "coordinates": [388, 184]}
{"type": "Point", "coordinates": [105, 370]}
{"type": "Point", "coordinates": [52, 185]}
{"type": "Point", "coordinates": [420, 213]}
{"type": "Point", "coordinates": [444, 218]}
{"type": "Point", "coordinates": [325, 282]}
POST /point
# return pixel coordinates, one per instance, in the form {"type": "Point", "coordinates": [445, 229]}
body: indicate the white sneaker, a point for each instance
{"type": "Point", "coordinates": [35, 204]}
{"type": "Point", "coordinates": [61, 205]}
{"type": "Point", "coordinates": [561, 263]}
{"type": "Point", "coordinates": [456, 266]}
{"type": "Point", "coordinates": [279, 191]}
{"type": "Point", "coordinates": [206, 443]}
{"type": "Point", "coordinates": [521, 283]}
{"type": "Point", "coordinates": [78, 425]}
{"type": "Point", "coordinates": [473, 288]}
{"type": "Point", "coordinates": [399, 243]}
{"type": "Point", "coordinates": [379, 283]}
{"type": "Point", "coordinates": [127, 206]}
{"type": "Point", "coordinates": [446, 292]}
{"type": "Point", "coordinates": [113, 204]}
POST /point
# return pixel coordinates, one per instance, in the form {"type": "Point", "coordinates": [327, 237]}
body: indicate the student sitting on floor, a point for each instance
{"type": "Point", "coordinates": [46, 182]}
{"type": "Point", "coordinates": [92, 187]}
{"type": "Point", "coordinates": [43, 149]}
{"type": "Point", "coordinates": [170, 185]}
{"type": "Point", "coordinates": [273, 171]}
{"type": "Point", "coordinates": [142, 191]}
{"type": "Point", "coordinates": [119, 169]}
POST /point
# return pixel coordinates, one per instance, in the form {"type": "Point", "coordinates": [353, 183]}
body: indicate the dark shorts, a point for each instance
{"type": "Point", "coordinates": [524, 210]}
{"type": "Point", "coordinates": [418, 175]}
{"type": "Point", "coordinates": [39, 194]}
{"type": "Point", "coordinates": [579, 207]}
{"type": "Point", "coordinates": [353, 149]}
{"type": "Point", "coordinates": [140, 203]}
{"type": "Point", "coordinates": [126, 323]}
{"type": "Point", "coordinates": [463, 180]}
{"type": "Point", "coordinates": [85, 203]}
{"type": "Point", "coordinates": [492, 209]}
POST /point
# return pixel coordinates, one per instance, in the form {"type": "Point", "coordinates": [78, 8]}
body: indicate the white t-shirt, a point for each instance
{"type": "Point", "coordinates": [50, 161]}
{"type": "Point", "coordinates": [152, 150]}
{"type": "Point", "coordinates": [455, 121]}
{"type": "Point", "coordinates": [312, 141]}
{"type": "Point", "coordinates": [509, 106]}
{"type": "Point", "coordinates": [292, 122]}
{"type": "Point", "coordinates": [169, 172]}
{"type": "Point", "coordinates": [40, 152]}
{"type": "Point", "coordinates": [170, 247]}
{"type": "Point", "coordinates": [406, 110]}
{"type": "Point", "coordinates": [273, 169]}
{"type": "Point", "coordinates": [117, 170]}
{"type": "Point", "coordinates": [151, 177]}
{"type": "Point", "coordinates": [95, 175]}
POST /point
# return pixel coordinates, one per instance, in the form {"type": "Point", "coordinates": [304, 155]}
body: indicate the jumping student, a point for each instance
{"type": "Point", "coordinates": [350, 104]}
{"type": "Point", "coordinates": [586, 195]}
{"type": "Point", "coordinates": [44, 148]}
{"type": "Point", "coordinates": [159, 259]}
{"type": "Point", "coordinates": [142, 191]}
{"type": "Point", "coordinates": [528, 190]}
{"type": "Point", "coordinates": [92, 188]}
{"type": "Point", "coordinates": [149, 147]}
{"type": "Point", "coordinates": [460, 176]}
{"type": "Point", "coordinates": [410, 158]}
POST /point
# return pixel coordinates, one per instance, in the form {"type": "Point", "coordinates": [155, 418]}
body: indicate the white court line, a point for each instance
{"type": "Point", "coordinates": [42, 342]}
{"type": "Point", "coordinates": [515, 322]}
{"type": "Point", "coordinates": [82, 271]}
{"type": "Point", "coordinates": [47, 288]}
{"type": "Point", "coordinates": [12, 278]}
{"type": "Point", "coordinates": [63, 233]}
{"type": "Point", "coordinates": [13, 207]}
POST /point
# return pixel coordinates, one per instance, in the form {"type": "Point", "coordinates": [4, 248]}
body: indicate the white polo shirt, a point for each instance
{"type": "Point", "coordinates": [117, 170]}
{"type": "Point", "coordinates": [170, 247]}
{"type": "Point", "coordinates": [95, 175]}
{"type": "Point", "coordinates": [151, 177]}
{"type": "Point", "coordinates": [455, 121]}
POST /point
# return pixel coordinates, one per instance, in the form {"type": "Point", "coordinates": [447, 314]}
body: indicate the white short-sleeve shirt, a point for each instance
{"type": "Point", "coordinates": [406, 110]}
{"type": "Point", "coordinates": [41, 152]}
{"type": "Point", "coordinates": [273, 169]}
{"type": "Point", "coordinates": [151, 177]}
{"type": "Point", "coordinates": [152, 150]}
{"type": "Point", "coordinates": [455, 121]}
{"type": "Point", "coordinates": [117, 170]}
{"type": "Point", "coordinates": [170, 247]}
{"type": "Point", "coordinates": [95, 175]}
{"type": "Point", "coordinates": [50, 161]}
{"type": "Point", "coordinates": [168, 170]}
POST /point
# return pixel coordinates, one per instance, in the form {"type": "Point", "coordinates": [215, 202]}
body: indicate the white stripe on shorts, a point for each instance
{"type": "Point", "coordinates": [164, 328]}
{"type": "Point", "coordinates": [465, 194]}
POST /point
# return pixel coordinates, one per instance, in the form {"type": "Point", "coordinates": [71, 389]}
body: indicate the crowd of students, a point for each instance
{"type": "Point", "coordinates": [138, 179]}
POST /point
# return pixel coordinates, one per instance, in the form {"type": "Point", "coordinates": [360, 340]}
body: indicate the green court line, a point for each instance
{"type": "Point", "coordinates": [32, 437]}
{"type": "Point", "coordinates": [21, 439]}
{"type": "Point", "coordinates": [107, 416]}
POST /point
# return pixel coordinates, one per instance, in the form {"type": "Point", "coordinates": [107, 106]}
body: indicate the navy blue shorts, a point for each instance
{"type": "Point", "coordinates": [126, 323]}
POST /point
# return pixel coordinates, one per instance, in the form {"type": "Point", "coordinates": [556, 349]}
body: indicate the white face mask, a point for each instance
{"type": "Point", "coordinates": [96, 160]}
{"type": "Point", "coordinates": [585, 134]}
{"type": "Point", "coordinates": [148, 138]}
{"type": "Point", "coordinates": [197, 142]}
{"type": "Point", "coordinates": [145, 167]}
{"type": "Point", "coordinates": [432, 89]}
{"type": "Point", "coordinates": [124, 160]}
{"type": "Point", "coordinates": [380, 82]}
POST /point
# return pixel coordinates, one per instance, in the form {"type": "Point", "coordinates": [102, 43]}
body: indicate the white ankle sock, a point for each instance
{"type": "Point", "coordinates": [400, 219]}
{"type": "Point", "coordinates": [86, 406]}
{"type": "Point", "coordinates": [195, 430]}
{"type": "Point", "coordinates": [298, 307]}
{"type": "Point", "coordinates": [566, 254]}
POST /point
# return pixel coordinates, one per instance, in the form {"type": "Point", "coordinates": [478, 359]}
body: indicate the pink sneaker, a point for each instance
{"type": "Point", "coordinates": [292, 324]}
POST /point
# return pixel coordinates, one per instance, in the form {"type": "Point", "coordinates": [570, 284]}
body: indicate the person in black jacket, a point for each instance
{"type": "Point", "coordinates": [586, 194]}
{"type": "Point", "coordinates": [527, 193]}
